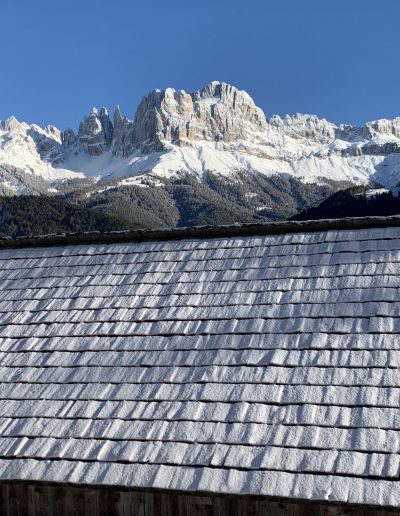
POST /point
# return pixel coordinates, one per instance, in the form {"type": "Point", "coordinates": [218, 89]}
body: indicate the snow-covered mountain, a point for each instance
{"type": "Point", "coordinates": [217, 130]}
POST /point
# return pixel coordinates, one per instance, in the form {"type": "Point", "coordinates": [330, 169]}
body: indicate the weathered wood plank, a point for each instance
{"type": "Point", "coordinates": [22, 496]}
{"type": "Point", "coordinates": [157, 505]}
{"type": "Point", "coordinates": [149, 504]}
{"type": "Point", "coordinates": [90, 501]}
{"type": "Point", "coordinates": [125, 503]}
{"type": "Point", "coordinates": [137, 504]}
{"type": "Point", "coordinates": [217, 510]}
{"type": "Point", "coordinates": [252, 507]}
{"type": "Point", "coordinates": [13, 505]}
{"type": "Point", "coordinates": [310, 509]}
{"type": "Point", "coordinates": [60, 499]}
{"type": "Point", "coordinates": [22, 499]}
{"type": "Point", "coordinates": [68, 502]}
{"type": "Point", "coordinates": [182, 504]}
{"type": "Point", "coordinates": [199, 505]}
{"type": "Point", "coordinates": [78, 499]}
{"type": "Point", "coordinates": [234, 506]}
{"type": "Point", "coordinates": [4, 498]}
{"type": "Point", "coordinates": [268, 508]}
{"type": "Point", "coordinates": [166, 504]}
{"type": "Point", "coordinates": [102, 502]}
{"type": "Point", "coordinates": [41, 501]}
{"type": "Point", "coordinates": [115, 507]}
{"type": "Point", "coordinates": [31, 500]}
{"type": "Point", "coordinates": [175, 505]}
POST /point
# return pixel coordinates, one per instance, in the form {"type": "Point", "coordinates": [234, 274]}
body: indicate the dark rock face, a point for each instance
{"type": "Point", "coordinates": [380, 149]}
{"type": "Point", "coordinates": [122, 144]}
{"type": "Point", "coordinates": [68, 138]}
{"type": "Point", "coordinates": [96, 132]}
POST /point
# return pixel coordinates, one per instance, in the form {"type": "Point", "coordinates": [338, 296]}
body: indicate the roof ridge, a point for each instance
{"type": "Point", "coordinates": [209, 231]}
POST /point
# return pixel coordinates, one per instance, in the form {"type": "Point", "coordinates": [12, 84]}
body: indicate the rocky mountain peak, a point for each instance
{"type": "Point", "coordinates": [70, 141]}
{"type": "Point", "coordinates": [11, 124]}
{"type": "Point", "coordinates": [54, 132]}
{"type": "Point", "coordinates": [222, 92]}
{"type": "Point", "coordinates": [95, 132]}
{"type": "Point", "coordinates": [217, 113]}
{"type": "Point", "coordinates": [122, 138]}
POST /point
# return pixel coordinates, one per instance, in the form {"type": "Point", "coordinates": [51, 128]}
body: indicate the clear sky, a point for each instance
{"type": "Point", "coordinates": [336, 58]}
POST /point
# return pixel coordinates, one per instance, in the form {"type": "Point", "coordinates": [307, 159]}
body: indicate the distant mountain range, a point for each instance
{"type": "Point", "coordinates": [210, 156]}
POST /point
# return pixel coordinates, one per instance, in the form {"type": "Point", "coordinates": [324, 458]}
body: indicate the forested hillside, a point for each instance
{"type": "Point", "coordinates": [30, 215]}
{"type": "Point", "coordinates": [354, 202]}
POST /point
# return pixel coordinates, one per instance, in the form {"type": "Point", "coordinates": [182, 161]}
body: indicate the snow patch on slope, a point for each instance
{"type": "Point", "coordinates": [206, 157]}
{"type": "Point", "coordinates": [30, 148]}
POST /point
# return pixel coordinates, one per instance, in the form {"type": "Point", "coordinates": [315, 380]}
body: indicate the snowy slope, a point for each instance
{"type": "Point", "coordinates": [32, 150]}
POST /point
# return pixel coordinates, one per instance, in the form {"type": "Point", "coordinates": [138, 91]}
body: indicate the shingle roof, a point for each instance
{"type": "Point", "coordinates": [264, 365]}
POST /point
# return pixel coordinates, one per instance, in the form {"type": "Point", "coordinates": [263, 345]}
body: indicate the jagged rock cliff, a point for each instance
{"type": "Point", "coordinates": [96, 132]}
{"type": "Point", "coordinates": [217, 113]}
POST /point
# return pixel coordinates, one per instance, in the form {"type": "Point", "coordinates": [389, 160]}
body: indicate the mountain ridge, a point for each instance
{"type": "Point", "coordinates": [215, 144]}
{"type": "Point", "coordinates": [218, 129]}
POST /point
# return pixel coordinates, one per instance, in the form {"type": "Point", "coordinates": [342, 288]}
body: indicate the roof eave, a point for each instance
{"type": "Point", "coordinates": [234, 230]}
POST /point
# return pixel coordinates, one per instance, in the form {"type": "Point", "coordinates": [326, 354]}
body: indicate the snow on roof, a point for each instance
{"type": "Point", "coordinates": [254, 364]}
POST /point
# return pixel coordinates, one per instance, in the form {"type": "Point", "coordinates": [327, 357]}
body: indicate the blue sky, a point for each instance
{"type": "Point", "coordinates": [336, 58]}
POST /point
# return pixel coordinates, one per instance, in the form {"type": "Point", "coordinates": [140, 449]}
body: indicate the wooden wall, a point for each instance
{"type": "Point", "coordinates": [21, 499]}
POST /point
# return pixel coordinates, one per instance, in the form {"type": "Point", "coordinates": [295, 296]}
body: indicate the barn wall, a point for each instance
{"type": "Point", "coordinates": [21, 499]}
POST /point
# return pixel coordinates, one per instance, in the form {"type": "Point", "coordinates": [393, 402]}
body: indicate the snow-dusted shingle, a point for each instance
{"type": "Point", "coordinates": [259, 364]}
